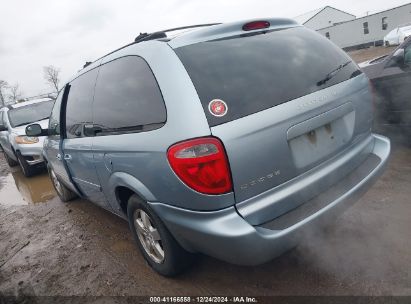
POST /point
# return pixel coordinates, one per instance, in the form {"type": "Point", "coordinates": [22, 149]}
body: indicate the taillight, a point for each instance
{"type": "Point", "coordinates": [202, 165]}
{"type": "Point", "coordinates": [256, 25]}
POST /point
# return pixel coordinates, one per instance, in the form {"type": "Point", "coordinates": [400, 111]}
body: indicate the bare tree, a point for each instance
{"type": "Point", "coordinates": [15, 93]}
{"type": "Point", "coordinates": [52, 76]}
{"type": "Point", "coordinates": [3, 86]}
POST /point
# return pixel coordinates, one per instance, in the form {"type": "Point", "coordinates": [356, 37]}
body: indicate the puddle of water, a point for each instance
{"type": "Point", "coordinates": [16, 189]}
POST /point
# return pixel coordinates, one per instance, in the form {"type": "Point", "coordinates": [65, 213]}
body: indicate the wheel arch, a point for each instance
{"type": "Point", "coordinates": [123, 185]}
{"type": "Point", "coordinates": [123, 195]}
{"type": "Point", "coordinates": [14, 149]}
{"type": "Point", "coordinates": [14, 152]}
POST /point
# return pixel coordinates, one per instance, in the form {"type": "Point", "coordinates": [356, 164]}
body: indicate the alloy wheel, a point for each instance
{"type": "Point", "coordinates": [149, 236]}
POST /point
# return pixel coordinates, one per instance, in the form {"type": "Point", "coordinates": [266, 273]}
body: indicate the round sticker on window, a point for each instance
{"type": "Point", "coordinates": [217, 107]}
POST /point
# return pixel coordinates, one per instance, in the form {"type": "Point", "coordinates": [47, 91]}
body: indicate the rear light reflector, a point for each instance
{"type": "Point", "coordinates": [256, 25]}
{"type": "Point", "coordinates": [202, 165]}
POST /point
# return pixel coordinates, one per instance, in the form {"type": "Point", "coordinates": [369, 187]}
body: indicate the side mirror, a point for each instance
{"type": "Point", "coordinates": [35, 130]}
{"type": "Point", "coordinates": [3, 128]}
{"type": "Point", "coordinates": [398, 56]}
{"type": "Point", "coordinates": [397, 59]}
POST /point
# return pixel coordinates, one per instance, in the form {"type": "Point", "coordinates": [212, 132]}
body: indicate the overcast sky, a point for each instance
{"type": "Point", "coordinates": [67, 33]}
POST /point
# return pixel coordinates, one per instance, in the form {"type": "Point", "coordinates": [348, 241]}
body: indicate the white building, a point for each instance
{"type": "Point", "coordinates": [349, 32]}
{"type": "Point", "coordinates": [323, 17]}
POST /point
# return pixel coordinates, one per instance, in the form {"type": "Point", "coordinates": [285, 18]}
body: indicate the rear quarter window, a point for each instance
{"type": "Point", "coordinates": [251, 73]}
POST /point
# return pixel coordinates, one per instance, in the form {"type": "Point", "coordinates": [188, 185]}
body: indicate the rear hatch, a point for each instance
{"type": "Point", "coordinates": [293, 101]}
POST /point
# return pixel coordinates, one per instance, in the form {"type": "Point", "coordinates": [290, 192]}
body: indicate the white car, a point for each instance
{"type": "Point", "coordinates": [18, 148]}
{"type": "Point", "coordinates": [398, 35]}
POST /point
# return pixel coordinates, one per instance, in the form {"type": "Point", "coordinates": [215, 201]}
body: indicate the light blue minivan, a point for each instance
{"type": "Point", "coordinates": [228, 140]}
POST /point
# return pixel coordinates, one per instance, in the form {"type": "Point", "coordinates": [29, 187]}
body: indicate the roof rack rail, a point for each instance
{"type": "Point", "coordinates": [87, 64]}
{"type": "Point", "coordinates": [150, 36]}
{"type": "Point", "coordinates": [162, 34]}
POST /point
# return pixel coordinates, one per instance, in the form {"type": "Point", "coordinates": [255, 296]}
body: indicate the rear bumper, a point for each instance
{"type": "Point", "coordinates": [225, 235]}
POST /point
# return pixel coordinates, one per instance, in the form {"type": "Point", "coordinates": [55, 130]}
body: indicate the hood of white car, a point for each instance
{"type": "Point", "coordinates": [406, 31]}
{"type": "Point", "coordinates": [21, 130]}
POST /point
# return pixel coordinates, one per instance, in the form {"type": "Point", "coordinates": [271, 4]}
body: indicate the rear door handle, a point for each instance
{"type": "Point", "coordinates": [67, 157]}
{"type": "Point", "coordinates": [58, 156]}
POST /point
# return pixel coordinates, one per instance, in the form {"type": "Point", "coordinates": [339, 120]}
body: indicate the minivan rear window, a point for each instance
{"type": "Point", "coordinates": [251, 73]}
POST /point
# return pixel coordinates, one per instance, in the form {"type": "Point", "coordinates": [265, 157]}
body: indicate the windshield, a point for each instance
{"type": "Point", "coordinates": [253, 73]}
{"type": "Point", "coordinates": [30, 113]}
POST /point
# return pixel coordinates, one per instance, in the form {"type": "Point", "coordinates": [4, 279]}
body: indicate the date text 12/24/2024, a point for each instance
{"type": "Point", "coordinates": [206, 299]}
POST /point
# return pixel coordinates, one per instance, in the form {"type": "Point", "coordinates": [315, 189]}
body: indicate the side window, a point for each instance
{"type": "Point", "coordinates": [366, 30]}
{"type": "Point", "coordinates": [79, 102]}
{"type": "Point", "coordinates": [407, 55]}
{"type": "Point", "coordinates": [384, 24]}
{"type": "Point", "coordinates": [3, 118]}
{"type": "Point", "coordinates": [54, 120]}
{"type": "Point", "coordinates": [127, 98]}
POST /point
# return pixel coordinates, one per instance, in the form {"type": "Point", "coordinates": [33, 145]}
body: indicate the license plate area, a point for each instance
{"type": "Point", "coordinates": [320, 137]}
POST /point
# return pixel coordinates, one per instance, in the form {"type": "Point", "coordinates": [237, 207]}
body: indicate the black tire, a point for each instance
{"type": "Point", "coordinates": [176, 259]}
{"type": "Point", "coordinates": [27, 170]}
{"type": "Point", "coordinates": [11, 162]}
{"type": "Point", "coordinates": [64, 193]}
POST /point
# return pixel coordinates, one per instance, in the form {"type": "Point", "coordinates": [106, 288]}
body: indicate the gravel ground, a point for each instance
{"type": "Point", "coordinates": [51, 248]}
{"type": "Point", "coordinates": [370, 53]}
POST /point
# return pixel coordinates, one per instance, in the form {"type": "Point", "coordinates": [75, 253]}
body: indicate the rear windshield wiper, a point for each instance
{"type": "Point", "coordinates": [333, 73]}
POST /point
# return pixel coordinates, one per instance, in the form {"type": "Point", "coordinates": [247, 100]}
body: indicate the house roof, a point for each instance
{"type": "Point", "coordinates": [307, 16]}
{"type": "Point", "coordinates": [304, 18]}
{"type": "Point", "coordinates": [364, 17]}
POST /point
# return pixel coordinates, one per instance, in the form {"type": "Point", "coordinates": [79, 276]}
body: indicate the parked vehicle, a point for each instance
{"type": "Point", "coordinates": [230, 140]}
{"type": "Point", "coordinates": [19, 149]}
{"type": "Point", "coordinates": [398, 35]}
{"type": "Point", "coordinates": [391, 78]}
